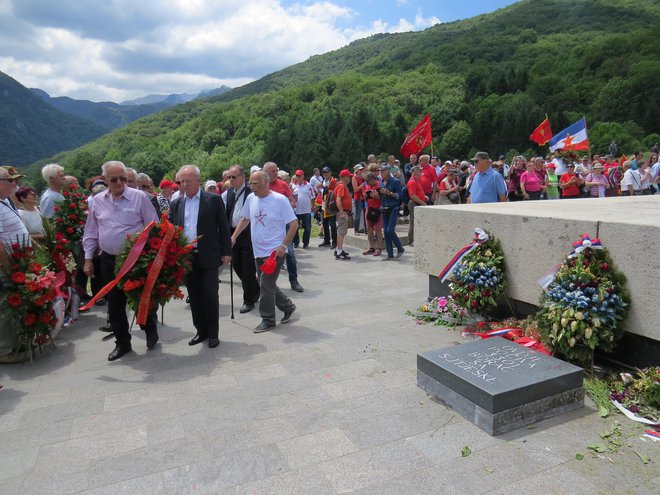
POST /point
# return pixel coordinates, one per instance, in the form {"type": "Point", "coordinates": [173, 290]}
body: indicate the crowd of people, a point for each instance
{"type": "Point", "coordinates": [255, 219]}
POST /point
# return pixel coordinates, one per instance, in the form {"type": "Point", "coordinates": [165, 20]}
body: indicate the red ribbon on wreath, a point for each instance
{"type": "Point", "coordinates": [131, 259]}
{"type": "Point", "coordinates": [156, 266]}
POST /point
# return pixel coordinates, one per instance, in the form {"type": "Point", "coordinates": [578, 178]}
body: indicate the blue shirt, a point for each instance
{"type": "Point", "coordinates": [393, 185]}
{"type": "Point", "coordinates": [487, 187]}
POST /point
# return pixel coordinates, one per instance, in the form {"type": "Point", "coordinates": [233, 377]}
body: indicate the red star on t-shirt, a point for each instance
{"type": "Point", "coordinates": [260, 217]}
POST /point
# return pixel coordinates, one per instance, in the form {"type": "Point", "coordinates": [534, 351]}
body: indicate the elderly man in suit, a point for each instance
{"type": "Point", "coordinates": [202, 215]}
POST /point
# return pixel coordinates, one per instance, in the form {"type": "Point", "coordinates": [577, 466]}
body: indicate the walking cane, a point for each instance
{"type": "Point", "coordinates": [231, 288]}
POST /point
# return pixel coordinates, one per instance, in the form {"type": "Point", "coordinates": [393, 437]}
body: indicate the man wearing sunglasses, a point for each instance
{"type": "Point", "coordinates": [116, 213]}
{"type": "Point", "coordinates": [12, 230]}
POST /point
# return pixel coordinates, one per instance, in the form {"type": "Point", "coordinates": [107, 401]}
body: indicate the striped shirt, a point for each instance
{"type": "Point", "coordinates": [12, 228]}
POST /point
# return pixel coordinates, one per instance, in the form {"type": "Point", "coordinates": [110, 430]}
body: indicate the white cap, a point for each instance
{"type": "Point", "coordinates": [254, 168]}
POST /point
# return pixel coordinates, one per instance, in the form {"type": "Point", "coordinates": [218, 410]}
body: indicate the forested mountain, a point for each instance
{"type": "Point", "coordinates": [31, 129]}
{"type": "Point", "coordinates": [486, 81]}
{"type": "Point", "coordinates": [107, 114]}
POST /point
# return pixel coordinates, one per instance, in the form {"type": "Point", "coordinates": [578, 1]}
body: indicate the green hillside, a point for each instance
{"type": "Point", "coordinates": [487, 81]}
{"type": "Point", "coordinates": [31, 129]}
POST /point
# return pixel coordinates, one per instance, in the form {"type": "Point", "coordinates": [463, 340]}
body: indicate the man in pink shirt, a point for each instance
{"type": "Point", "coordinates": [113, 215]}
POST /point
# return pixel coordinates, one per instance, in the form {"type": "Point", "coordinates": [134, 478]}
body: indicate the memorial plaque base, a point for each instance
{"type": "Point", "coordinates": [500, 385]}
{"type": "Point", "coordinates": [510, 419]}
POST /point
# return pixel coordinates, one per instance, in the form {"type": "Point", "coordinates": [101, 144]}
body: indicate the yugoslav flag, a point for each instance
{"type": "Point", "coordinates": [574, 137]}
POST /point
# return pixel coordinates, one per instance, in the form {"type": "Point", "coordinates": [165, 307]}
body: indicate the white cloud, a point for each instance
{"type": "Point", "coordinates": [122, 49]}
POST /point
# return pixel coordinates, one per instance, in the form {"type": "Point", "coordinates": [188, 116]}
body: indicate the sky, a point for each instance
{"type": "Point", "coordinates": [115, 50]}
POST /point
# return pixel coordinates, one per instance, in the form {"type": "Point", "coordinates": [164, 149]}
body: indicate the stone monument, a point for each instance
{"type": "Point", "coordinates": [500, 385]}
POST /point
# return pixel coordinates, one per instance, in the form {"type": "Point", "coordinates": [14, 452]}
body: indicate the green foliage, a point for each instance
{"type": "Point", "coordinates": [486, 81]}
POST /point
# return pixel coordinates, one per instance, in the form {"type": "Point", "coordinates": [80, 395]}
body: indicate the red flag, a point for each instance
{"type": "Point", "coordinates": [418, 139]}
{"type": "Point", "coordinates": [542, 134]}
{"type": "Point", "coordinates": [623, 159]}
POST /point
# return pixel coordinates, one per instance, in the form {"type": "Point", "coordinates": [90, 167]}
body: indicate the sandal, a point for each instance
{"type": "Point", "coordinates": [368, 251]}
{"type": "Point", "coordinates": [377, 252]}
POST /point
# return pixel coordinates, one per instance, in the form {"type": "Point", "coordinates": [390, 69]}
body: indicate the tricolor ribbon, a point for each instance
{"type": "Point", "coordinates": [479, 238]}
{"type": "Point", "coordinates": [515, 334]}
{"type": "Point", "coordinates": [584, 243]}
{"type": "Point", "coordinates": [131, 259]}
{"type": "Point", "coordinates": [652, 434]}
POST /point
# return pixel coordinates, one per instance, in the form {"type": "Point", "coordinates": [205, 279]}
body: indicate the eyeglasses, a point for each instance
{"type": "Point", "coordinates": [234, 176]}
{"type": "Point", "coordinates": [8, 180]}
{"type": "Point", "coordinates": [114, 180]}
{"type": "Point", "coordinates": [177, 182]}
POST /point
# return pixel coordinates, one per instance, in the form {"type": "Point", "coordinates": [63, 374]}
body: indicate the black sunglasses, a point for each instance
{"type": "Point", "coordinates": [123, 178]}
{"type": "Point", "coordinates": [8, 180]}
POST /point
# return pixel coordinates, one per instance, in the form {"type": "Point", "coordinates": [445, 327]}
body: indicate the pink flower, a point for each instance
{"type": "Point", "coordinates": [442, 302]}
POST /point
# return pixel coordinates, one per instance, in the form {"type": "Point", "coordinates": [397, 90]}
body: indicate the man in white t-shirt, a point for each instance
{"type": "Point", "coordinates": [273, 224]}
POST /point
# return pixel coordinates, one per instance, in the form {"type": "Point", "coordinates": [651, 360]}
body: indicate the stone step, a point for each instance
{"type": "Point", "coordinates": [361, 241]}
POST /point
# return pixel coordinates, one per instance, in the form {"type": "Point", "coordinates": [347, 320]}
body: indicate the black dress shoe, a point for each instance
{"type": "Point", "coordinates": [119, 351]}
{"type": "Point", "coordinates": [214, 343]}
{"type": "Point", "coordinates": [188, 300]}
{"type": "Point", "coordinates": [197, 339]}
{"type": "Point", "coordinates": [287, 314]}
{"type": "Point", "coordinates": [324, 244]}
{"type": "Point", "coordinates": [297, 287]}
{"type": "Point", "coordinates": [263, 327]}
{"type": "Point", "coordinates": [246, 308]}
{"type": "Point", "coordinates": [106, 328]}
{"type": "Point", "coordinates": [152, 339]}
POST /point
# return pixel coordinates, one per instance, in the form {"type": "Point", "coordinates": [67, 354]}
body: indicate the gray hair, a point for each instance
{"type": "Point", "coordinates": [424, 158]}
{"type": "Point", "coordinates": [270, 165]}
{"type": "Point", "coordinates": [194, 168]}
{"type": "Point", "coordinates": [261, 176]}
{"type": "Point", "coordinates": [130, 170]}
{"type": "Point", "coordinates": [143, 176]}
{"type": "Point", "coordinates": [416, 168]}
{"type": "Point", "coordinates": [107, 165]}
{"type": "Point", "coordinates": [51, 170]}
{"type": "Point", "coordinates": [370, 176]}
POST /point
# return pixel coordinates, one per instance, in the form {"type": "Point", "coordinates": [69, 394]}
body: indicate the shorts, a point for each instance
{"type": "Point", "coordinates": [375, 225]}
{"type": "Point", "coordinates": [342, 225]}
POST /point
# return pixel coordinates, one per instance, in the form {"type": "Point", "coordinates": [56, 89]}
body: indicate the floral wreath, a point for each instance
{"type": "Point", "coordinates": [151, 267]}
{"type": "Point", "coordinates": [477, 274]}
{"type": "Point", "coordinates": [585, 306]}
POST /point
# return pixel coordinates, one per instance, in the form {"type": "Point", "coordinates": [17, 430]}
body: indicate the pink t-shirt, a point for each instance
{"type": "Point", "coordinates": [531, 181]}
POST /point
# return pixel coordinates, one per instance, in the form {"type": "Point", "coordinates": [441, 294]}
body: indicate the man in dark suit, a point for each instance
{"type": "Point", "coordinates": [202, 215]}
{"type": "Point", "coordinates": [242, 258]}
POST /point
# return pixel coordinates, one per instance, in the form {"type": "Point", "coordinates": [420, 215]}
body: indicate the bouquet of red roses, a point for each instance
{"type": "Point", "coordinates": [163, 259]}
{"type": "Point", "coordinates": [28, 298]}
{"type": "Point", "coordinates": [70, 215]}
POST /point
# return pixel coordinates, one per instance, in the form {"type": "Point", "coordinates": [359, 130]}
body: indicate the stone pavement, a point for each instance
{"type": "Point", "coordinates": [325, 404]}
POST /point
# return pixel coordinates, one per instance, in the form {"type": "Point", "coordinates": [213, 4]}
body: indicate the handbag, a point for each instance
{"type": "Point", "coordinates": [373, 214]}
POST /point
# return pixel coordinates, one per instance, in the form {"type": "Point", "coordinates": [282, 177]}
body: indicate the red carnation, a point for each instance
{"type": "Point", "coordinates": [155, 242]}
{"type": "Point", "coordinates": [29, 319]}
{"type": "Point", "coordinates": [14, 300]}
{"type": "Point", "coordinates": [18, 277]}
{"type": "Point", "coordinates": [57, 208]}
{"type": "Point", "coordinates": [73, 216]}
{"type": "Point", "coordinates": [45, 317]}
{"type": "Point", "coordinates": [31, 286]}
{"type": "Point", "coordinates": [485, 293]}
{"type": "Point", "coordinates": [35, 267]}
{"type": "Point", "coordinates": [58, 220]}
{"type": "Point", "coordinates": [69, 230]}
{"type": "Point", "coordinates": [73, 205]}
{"type": "Point", "coordinates": [474, 304]}
{"type": "Point", "coordinates": [604, 266]}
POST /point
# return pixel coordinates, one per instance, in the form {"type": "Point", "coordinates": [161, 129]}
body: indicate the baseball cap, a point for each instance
{"type": "Point", "coordinates": [551, 165]}
{"type": "Point", "coordinates": [326, 169]}
{"type": "Point", "coordinates": [481, 155]}
{"type": "Point", "coordinates": [166, 184]}
{"type": "Point", "coordinates": [345, 173]}
{"type": "Point", "coordinates": [13, 172]}
{"type": "Point", "coordinates": [300, 172]}
{"type": "Point", "coordinates": [254, 168]}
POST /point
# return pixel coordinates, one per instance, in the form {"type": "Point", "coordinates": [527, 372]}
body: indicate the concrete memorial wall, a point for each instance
{"type": "Point", "coordinates": [537, 235]}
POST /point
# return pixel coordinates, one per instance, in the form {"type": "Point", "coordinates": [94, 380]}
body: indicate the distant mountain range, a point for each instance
{"type": "Point", "coordinates": [35, 125]}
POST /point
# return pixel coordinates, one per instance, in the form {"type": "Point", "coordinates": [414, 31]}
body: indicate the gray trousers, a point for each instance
{"type": "Point", "coordinates": [411, 225]}
{"type": "Point", "coordinates": [270, 294]}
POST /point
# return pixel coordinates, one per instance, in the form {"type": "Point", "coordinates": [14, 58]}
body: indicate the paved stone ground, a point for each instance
{"type": "Point", "coordinates": [325, 404]}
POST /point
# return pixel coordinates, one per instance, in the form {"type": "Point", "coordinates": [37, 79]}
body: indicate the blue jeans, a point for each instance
{"type": "Point", "coordinates": [390, 216]}
{"type": "Point", "coordinates": [358, 214]}
{"type": "Point", "coordinates": [305, 220]}
{"type": "Point", "coordinates": [291, 264]}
